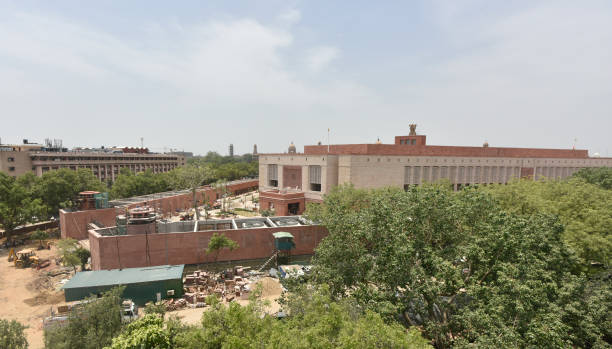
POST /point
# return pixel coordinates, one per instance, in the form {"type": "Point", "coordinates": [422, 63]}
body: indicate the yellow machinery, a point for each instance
{"type": "Point", "coordinates": [12, 255]}
{"type": "Point", "coordinates": [25, 258]}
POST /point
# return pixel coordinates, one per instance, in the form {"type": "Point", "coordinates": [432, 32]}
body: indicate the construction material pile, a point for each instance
{"type": "Point", "coordinates": [228, 285]}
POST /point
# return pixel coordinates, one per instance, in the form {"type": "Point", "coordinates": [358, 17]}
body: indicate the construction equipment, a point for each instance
{"type": "Point", "coordinates": [25, 258]}
{"type": "Point", "coordinates": [12, 255]}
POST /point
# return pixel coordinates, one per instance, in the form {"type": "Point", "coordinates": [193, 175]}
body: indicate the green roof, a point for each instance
{"type": "Point", "coordinates": [282, 234]}
{"type": "Point", "coordinates": [124, 276]}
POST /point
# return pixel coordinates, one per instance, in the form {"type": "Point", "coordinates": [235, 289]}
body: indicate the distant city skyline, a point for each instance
{"type": "Point", "coordinates": [197, 77]}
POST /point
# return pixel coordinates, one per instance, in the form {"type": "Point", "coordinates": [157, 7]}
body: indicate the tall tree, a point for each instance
{"type": "Point", "coordinates": [585, 210]}
{"type": "Point", "coordinates": [456, 264]}
{"type": "Point", "coordinates": [16, 206]}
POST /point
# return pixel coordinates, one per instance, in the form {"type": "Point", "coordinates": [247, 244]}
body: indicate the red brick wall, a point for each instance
{"type": "Point", "coordinates": [74, 224]}
{"type": "Point", "coordinates": [292, 177]}
{"type": "Point", "coordinates": [281, 202]}
{"type": "Point", "coordinates": [129, 251]}
{"type": "Point", "coordinates": [439, 150]}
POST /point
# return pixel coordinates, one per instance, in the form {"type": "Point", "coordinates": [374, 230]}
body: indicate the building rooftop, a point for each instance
{"type": "Point", "coordinates": [124, 276]}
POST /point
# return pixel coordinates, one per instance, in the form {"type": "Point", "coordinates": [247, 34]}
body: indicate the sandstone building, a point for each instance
{"type": "Point", "coordinates": [287, 181]}
{"type": "Point", "coordinates": [105, 164]}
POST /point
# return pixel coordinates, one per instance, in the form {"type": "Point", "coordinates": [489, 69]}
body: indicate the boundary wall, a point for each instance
{"type": "Point", "coordinates": [74, 224]}
{"type": "Point", "coordinates": [132, 251]}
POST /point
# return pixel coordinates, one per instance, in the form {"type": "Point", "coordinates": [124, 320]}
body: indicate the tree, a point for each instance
{"type": "Point", "coordinates": [218, 242]}
{"type": "Point", "coordinates": [12, 335]}
{"type": "Point", "coordinates": [83, 255]}
{"type": "Point", "coordinates": [601, 176]}
{"type": "Point", "coordinates": [147, 332]}
{"type": "Point", "coordinates": [192, 177]}
{"type": "Point", "coordinates": [89, 326]}
{"type": "Point", "coordinates": [60, 188]}
{"type": "Point", "coordinates": [68, 249]}
{"type": "Point", "coordinates": [456, 264]}
{"type": "Point", "coordinates": [16, 206]}
{"type": "Point", "coordinates": [314, 321]}
{"type": "Point", "coordinates": [584, 209]}
{"type": "Point", "coordinates": [39, 235]}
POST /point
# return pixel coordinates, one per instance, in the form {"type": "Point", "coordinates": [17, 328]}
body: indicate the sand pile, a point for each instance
{"type": "Point", "coordinates": [270, 287]}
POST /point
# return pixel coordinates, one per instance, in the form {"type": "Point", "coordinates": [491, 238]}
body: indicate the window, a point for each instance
{"type": "Point", "coordinates": [12, 168]}
{"type": "Point", "coordinates": [407, 176]}
{"type": "Point", "coordinates": [273, 175]}
{"type": "Point", "coordinates": [11, 159]}
{"type": "Point", "coordinates": [413, 141]}
{"type": "Point", "coordinates": [315, 177]}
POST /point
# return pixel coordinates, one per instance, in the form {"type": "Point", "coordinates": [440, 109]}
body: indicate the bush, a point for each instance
{"type": "Point", "coordinates": [12, 335]}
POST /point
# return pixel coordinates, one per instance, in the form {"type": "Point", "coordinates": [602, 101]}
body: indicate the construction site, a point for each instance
{"type": "Point", "coordinates": [157, 247]}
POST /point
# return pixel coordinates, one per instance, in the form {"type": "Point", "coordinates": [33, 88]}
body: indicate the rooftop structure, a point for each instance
{"type": "Point", "coordinates": [289, 180]}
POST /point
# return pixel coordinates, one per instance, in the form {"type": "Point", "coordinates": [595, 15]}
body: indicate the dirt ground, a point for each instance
{"type": "Point", "coordinates": [26, 295]}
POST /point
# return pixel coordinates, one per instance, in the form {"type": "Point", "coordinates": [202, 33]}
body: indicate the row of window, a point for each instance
{"type": "Point", "coordinates": [408, 141]}
{"type": "Point", "coordinates": [479, 174]}
{"type": "Point", "coordinates": [78, 158]}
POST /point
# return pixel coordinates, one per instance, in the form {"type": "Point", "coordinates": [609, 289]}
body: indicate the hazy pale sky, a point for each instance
{"type": "Point", "coordinates": [199, 75]}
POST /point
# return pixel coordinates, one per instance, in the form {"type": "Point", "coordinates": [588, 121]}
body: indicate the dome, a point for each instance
{"type": "Point", "coordinates": [291, 148]}
{"type": "Point", "coordinates": [378, 141]}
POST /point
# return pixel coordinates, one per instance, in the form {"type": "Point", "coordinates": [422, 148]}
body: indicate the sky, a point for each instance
{"type": "Point", "coordinates": [199, 75]}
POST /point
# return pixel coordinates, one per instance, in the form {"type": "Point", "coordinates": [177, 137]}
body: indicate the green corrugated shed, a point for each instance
{"type": "Point", "coordinates": [141, 284]}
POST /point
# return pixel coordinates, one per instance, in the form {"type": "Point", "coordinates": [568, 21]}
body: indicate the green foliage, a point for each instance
{"type": "Point", "coordinates": [83, 255]}
{"type": "Point", "coordinates": [17, 207]}
{"type": "Point", "coordinates": [267, 213]}
{"type": "Point", "coordinates": [60, 188]}
{"type": "Point", "coordinates": [315, 321]}
{"type": "Point", "coordinates": [584, 209]}
{"type": "Point", "coordinates": [601, 176]}
{"type": "Point", "coordinates": [155, 309]}
{"type": "Point", "coordinates": [39, 235]}
{"type": "Point", "coordinates": [218, 242]}
{"type": "Point", "coordinates": [90, 326]}
{"type": "Point", "coordinates": [148, 332]}
{"type": "Point", "coordinates": [71, 253]}
{"type": "Point", "coordinates": [128, 184]}
{"type": "Point", "coordinates": [12, 335]}
{"type": "Point", "coordinates": [456, 264]}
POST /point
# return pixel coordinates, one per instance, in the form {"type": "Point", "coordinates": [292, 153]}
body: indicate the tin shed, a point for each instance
{"type": "Point", "coordinates": [141, 284]}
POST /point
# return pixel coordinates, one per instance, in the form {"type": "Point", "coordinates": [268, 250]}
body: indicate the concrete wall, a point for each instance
{"type": "Point", "coordinates": [130, 251]}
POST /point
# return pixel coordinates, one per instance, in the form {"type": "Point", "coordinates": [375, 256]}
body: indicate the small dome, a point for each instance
{"type": "Point", "coordinates": [291, 148]}
{"type": "Point", "coordinates": [596, 155]}
{"type": "Point", "coordinates": [485, 144]}
{"type": "Point", "coordinates": [378, 141]}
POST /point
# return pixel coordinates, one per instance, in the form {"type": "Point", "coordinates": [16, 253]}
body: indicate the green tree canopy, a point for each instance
{"type": "Point", "coordinates": [584, 209]}
{"type": "Point", "coordinates": [90, 326]}
{"type": "Point", "coordinates": [455, 263]}
{"type": "Point", "coordinates": [601, 176]}
{"type": "Point", "coordinates": [12, 335]}
{"type": "Point", "coordinates": [17, 207]}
